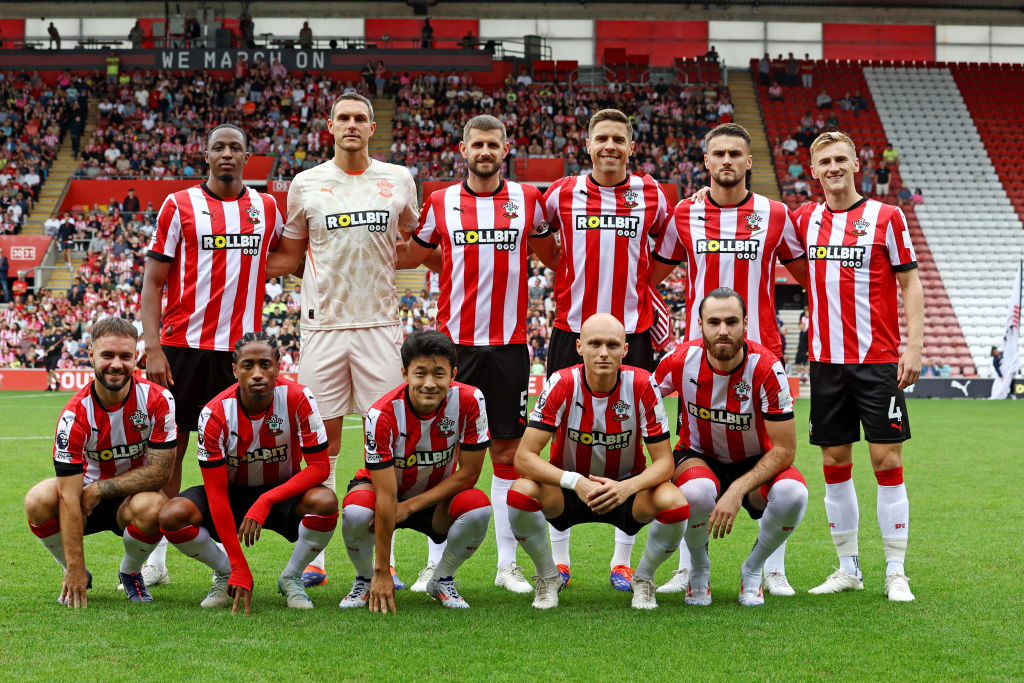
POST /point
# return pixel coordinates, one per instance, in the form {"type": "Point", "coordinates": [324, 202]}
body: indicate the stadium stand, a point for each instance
{"type": "Point", "coordinates": [972, 228]}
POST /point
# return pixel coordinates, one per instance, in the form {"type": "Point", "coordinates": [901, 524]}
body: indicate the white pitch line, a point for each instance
{"type": "Point", "coordinates": [18, 398]}
{"type": "Point", "coordinates": [14, 438]}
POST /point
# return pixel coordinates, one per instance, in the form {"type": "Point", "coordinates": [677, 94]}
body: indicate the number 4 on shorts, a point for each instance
{"type": "Point", "coordinates": [894, 412]}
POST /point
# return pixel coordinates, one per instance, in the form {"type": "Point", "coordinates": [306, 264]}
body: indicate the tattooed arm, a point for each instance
{"type": "Point", "coordinates": [152, 476]}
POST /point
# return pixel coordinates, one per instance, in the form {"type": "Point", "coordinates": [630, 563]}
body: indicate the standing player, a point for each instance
{"type": "Point", "coordinates": [858, 250]}
{"type": "Point", "coordinates": [737, 441]}
{"type": "Point", "coordinates": [598, 412]}
{"type": "Point", "coordinates": [113, 452]}
{"type": "Point", "coordinates": [252, 438]}
{"type": "Point", "coordinates": [210, 250]}
{"type": "Point", "coordinates": [732, 239]}
{"type": "Point", "coordinates": [344, 219]}
{"type": "Point", "coordinates": [425, 443]}
{"type": "Point", "coordinates": [605, 220]}
{"type": "Point", "coordinates": [485, 227]}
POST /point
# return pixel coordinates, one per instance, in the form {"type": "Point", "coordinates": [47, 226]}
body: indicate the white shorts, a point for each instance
{"type": "Point", "coordinates": [348, 370]}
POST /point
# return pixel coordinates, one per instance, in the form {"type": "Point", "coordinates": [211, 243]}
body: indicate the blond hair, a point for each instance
{"type": "Point", "coordinates": [830, 137]}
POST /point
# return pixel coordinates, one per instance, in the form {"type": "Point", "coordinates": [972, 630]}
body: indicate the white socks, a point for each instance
{"type": "Point", "coordinates": [137, 547]}
{"type": "Point", "coordinates": [315, 533]}
{"type": "Point", "coordinates": [787, 502]}
{"type": "Point", "coordinates": [465, 536]}
{"type": "Point", "coordinates": [530, 527]}
{"type": "Point", "coordinates": [504, 538]}
{"type": "Point", "coordinates": [893, 511]}
{"type": "Point", "coordinates": [843, 515]}
{"type": "Point", "coordinates": [623, 549]}
{"type": "Point", "coordinates": [158, 558]}
{"type": "Point", "coordinates": [195, 541]}
{"type": "Point", "coordinates": [355, 529]}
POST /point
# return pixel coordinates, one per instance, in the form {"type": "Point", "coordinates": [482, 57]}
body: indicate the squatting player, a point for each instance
{"type": "Point", "coordinates": [344, 219]}
{"type": "Point", "coordinates": [424, 449]}
{"type": "Point", "coordinates": [598, 412]}
{"type": "Point", "coordinates": [210, 250]}
{"type": "Point", "coordinates": [485, 228]}
{"type": "Point", "coordinates": [253, 437]}
{"type": "Point", "coordinates": [113, 452]}
{"type": "Point", "coordinates": [737, 442]}
{"type": "Point", "coordinates": [858, 249]}
{"type": "Point", "coordinates": [605, 220]}
{"type": "Point", "coordinates": [732, 239]}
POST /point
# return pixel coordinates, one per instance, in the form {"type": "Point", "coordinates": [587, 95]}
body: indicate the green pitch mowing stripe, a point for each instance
{"type": "Point", "coordinates": [964, 470]}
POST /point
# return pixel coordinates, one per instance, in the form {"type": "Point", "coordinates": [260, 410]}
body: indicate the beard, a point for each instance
{"type": "Point", "coordinates": [474, 168]}
{"type": "Point", "coordinates": [110, 384]}
{"type": "Point", "coordinates": [722, 353]}
{"type": "Point", "coordinates": [226, 177]}
{"type": "Point", "coordinates": [731, 182]}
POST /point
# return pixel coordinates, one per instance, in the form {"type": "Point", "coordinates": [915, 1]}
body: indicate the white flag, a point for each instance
{"type": "Point", "coordinates": [1011, 341]}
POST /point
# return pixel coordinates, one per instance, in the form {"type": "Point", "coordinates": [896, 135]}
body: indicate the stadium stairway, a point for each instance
{"type": "Point", "coordinates": [747, 113]}
{"type": "Point", "coordinates": [383, 115]}
{"type": "Point", "coordinates": [380, 148]}
{"type": "Point", "coordinates": [64, 167]}
{"type": "Point", "coordinates": [972, 229]}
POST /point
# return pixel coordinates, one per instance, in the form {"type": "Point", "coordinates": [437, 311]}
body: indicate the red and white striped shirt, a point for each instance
{"type": "Point", "coordinates": [262, 449]}
{"type": "Point", "coordinates": [483, 298]}
{"type": "Point", "coordinates": [219, 250]}
{"type": "Point", "coordinates": [735, 247]}
{"type": "Point", "coordinates": [424, 449]}
{"type": "Point", "coordinates": [722, 415]}
{"type": "Point", "coordinates": [596, 433]}
{"type": "Point", "coordinates": [853, 257]}
{"type": "Point", "coordinates": [606, 257]}
{"type": "Point", "coordinates": [104, 443]}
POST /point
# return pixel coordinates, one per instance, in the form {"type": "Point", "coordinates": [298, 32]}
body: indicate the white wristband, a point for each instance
{"type": "Point", "coordinates": [569, 480]}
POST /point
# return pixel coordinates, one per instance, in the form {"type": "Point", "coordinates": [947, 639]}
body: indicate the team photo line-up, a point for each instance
{"type": "Point", "coordinates": [434, 404]}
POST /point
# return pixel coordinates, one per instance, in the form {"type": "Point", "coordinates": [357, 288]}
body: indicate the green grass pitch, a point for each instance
{"type": "Point", "coordinates": [964, 471]}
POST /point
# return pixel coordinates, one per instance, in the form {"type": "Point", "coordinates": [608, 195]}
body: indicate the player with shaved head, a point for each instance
{"type": "Point", "coordinates": [598, 412]}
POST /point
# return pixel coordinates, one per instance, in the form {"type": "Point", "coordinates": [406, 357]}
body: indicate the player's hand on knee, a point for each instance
{"type": "Point", "coordinates": [240, 594]}
{"type": "Point", "coordinates": [249, 531]}
{"type": "Point", "coordinates": [382, 592]}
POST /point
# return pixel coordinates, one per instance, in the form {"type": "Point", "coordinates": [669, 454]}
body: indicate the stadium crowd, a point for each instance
{"type": "Point", "coordinates": [34, 118]}
{"type": "Point", "coordinates": [550, 120]}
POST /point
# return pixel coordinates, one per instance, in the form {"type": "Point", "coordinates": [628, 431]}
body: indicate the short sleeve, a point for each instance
{"type": "Point", "coordinates": [69, 444]}
{"type": "Point", "coordinates": [551, 197]}
{"type": "Point", "coordinates": [427, 233]}
{"type": "Point", "coordinates": [547, 412]}
{"type": "Point", "coordinates": [475, 433]}
{"type": "Point", "coordinates": [776, 400]}
{"type": "Point", "coordinates": [669, 247]}
{"type": "Point", "coordinates": [410, 216]}
{"type": "Point", "coordinates": [665, 374]}
{"type": "Point", "coordinates": [312, 433]}
{"type": "Point", "coordinates": [654, 425]}
{"type": "Point", "coordinates": [539, 224]}
{"type": "Point", "coordinates": [897, 242]}
{"type": "Point", "coordinates": [165, 430]}
{"type": "Point", "coordinates": [209, 439]}
{"type": "Point", "coordinates": [790, 245]}
{"type": "Point", "coordinates": [296, 228]}
{"type": "Point", "coordinates": [164, 245]}
{"type": "Point", "coordinates": [379, 439]}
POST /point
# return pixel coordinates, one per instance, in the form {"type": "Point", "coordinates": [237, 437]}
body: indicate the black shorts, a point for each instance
{"type": "Point", "coordinates": [66, 245]}
{"type": "Point", "coordinates": [104, 517]}
{"type": "Point", "coordinates": [284, 517]}
{"type": "Point", "coordinates": [843, 397]}
{"type": "Point", "coordinates": [575, 511]}
{"type": "Point", "coordinates": [50, 363]}
{"type": "Point", "coordinates": [421, 520]}
{"type": "Point", "coordinates": [725, 473]}
{"type": "Point", "coordinates": [502, 373]}
{"type": "Point", "coordinates": [562, 351]}
{"type": "Point", "coordinates": [199, 375]}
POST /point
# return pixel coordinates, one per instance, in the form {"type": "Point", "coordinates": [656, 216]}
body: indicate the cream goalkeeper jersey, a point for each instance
{"type": "Point", "coordinates": [353, 222]}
